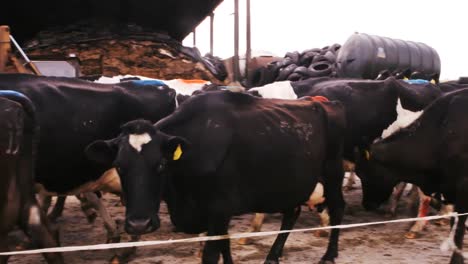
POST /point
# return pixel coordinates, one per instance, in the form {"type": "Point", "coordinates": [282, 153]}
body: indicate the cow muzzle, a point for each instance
{"type": "Point", "coordinates": [142, 226]}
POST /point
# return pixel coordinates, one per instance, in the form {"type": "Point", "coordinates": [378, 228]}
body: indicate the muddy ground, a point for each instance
{"type": "Point", "coordinates": [368, 245]}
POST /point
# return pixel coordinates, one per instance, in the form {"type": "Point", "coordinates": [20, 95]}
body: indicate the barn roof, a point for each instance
{"type": "Point", "coordinates": [177, 18]}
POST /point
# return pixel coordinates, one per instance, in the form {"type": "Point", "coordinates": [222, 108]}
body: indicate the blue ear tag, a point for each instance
{"type": "Point", "coordinates": [149, 82]}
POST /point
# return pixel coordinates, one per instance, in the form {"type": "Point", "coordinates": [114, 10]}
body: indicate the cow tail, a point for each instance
{"type": "Point", "coordinates": [31, 126]}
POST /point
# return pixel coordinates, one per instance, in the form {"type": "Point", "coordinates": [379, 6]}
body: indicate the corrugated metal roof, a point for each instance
{"type": "Point", "coordinates": [177, 18]}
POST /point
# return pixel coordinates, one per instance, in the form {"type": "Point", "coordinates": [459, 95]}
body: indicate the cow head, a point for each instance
{"type": "Point", "coordinates": [140, 154]}
{"type": "Point", "coordinates": [377, 180]}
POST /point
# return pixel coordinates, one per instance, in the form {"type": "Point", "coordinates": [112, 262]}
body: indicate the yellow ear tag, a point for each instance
{"type": "Point", "coordinates": [177, 152]}
{"type": "Point", "coordinates": [433, 81]}
{"type": "Point", "coordinates": [405, 79]}
{"type": "Point", "coordinates": [367, 154]}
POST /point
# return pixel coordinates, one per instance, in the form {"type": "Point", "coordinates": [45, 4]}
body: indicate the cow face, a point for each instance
{"type": "Point", "coordinates": [377, 180]}
{"type": "Point", "coordinates": [140, 154]}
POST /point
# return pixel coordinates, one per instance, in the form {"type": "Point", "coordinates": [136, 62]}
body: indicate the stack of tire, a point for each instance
{"type": "Point", "coordinates": [297, 66]}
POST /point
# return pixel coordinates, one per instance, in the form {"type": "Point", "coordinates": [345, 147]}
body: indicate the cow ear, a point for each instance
{"type": "Point", "coordinates": [175, 148]}
{"type": "Point", "coordinates": [102, 151]}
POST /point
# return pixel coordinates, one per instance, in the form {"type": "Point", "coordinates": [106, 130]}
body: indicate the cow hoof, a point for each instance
{"type": "Point", "coordinates": [411, 235]}
{"type": "Point", "coordinates": [326, 262]}
{"type": "Point", "coordinates": [442, 222]}
{"type": "Point", "coordinates": [113, 239]}
{"type": "Point", "coordinates": [244, 241]}
{"type": "Point", "coordinates": [270, 261]}
{"type": "Point", "coordinates": [114, 260]}
{"type": "Point", "coordinates": [91, 217]}
{"type": "Point", "coordinates": [456, 259]}
{"type": "Point", "coordinates": [321, 233]}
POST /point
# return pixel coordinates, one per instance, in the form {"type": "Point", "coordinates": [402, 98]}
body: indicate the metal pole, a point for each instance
{"type": "Point", "coordinates": [194, 37]}
{"type": "Point", "coordinates": [248, 52]}
{"type": "Point", "coordinates": [236, 42]}
{"type": "Point", "coordinates": [5, 47]}
{"type": "Point", "coordinates": [25, 57]}
{"type": "Point", "coordinates": [211, 33]}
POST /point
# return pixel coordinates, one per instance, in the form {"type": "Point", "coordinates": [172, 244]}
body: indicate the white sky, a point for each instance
{"type": "Point", "coordinates": [295, 25]}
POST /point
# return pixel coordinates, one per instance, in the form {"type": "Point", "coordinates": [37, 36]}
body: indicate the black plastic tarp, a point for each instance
{"type": "Point", "coordinates": [177, 18]}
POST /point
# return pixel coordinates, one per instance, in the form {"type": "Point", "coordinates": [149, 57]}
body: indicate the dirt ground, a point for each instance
{"type": "Point", "coordinates": [368, 245]}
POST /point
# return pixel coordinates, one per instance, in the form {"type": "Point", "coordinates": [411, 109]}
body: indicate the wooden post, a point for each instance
{"type": "Point", "coordinates": [5, 46]}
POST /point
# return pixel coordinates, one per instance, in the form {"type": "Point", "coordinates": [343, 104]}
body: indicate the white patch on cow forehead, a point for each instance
{"type": "Point", "coordinates": [404, 118]}
{"type": "Point", "coordinates": [277, 90]}
{"type": "Point", "coordinates": [138, 140]}
{"type": "Point", "coordinates": [34, 216]}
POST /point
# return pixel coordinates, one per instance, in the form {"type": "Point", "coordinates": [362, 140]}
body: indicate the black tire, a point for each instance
{"type": "Point", "coordinates": [302, 70]}
{"type": "Point", "coordinates": [330, 56]}
{"type": "Point", "coordinates": [319, 58]}
{"type": "Point", "coordinates": [294, 77]}
{"type": "Point", "coordinates": [334, 48]}
{"type": "Point", "coordinates": [320, 68]}
{"type": "Point", "coordinates": [285, 72]}
{"type": "Point", "coordinates": [306, 58]}
{"type": "Point", "coordinates": [260, 77]}
{"type": "Point", "coordinates": [294, 56]}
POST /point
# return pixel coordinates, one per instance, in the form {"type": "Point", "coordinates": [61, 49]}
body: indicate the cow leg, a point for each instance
{"type": "Point", "coordinates": [58, 209]}
{"type": "Point", "coordinates": [324, 221]}
{"type": "Point", "coordinates": [4, 247]}
{"type": "Point", "coordinates": [289, 219]}
{"type": "Point", "coordinates": [44, 201]}
{"type": "Point", "coordinates": [87, 207]}
{"type": "Point", "coordinates": [424, 202]}
{"type": "Point", "coordinates": [396, 195]}
{"type": "Point", "coordinates": [444, 210]}
{"type": "Point", "coordinates": [93, 200]}
{"type": "Point", "coordinates": [333, 182]}
{"type": "Point", "coordinates": [212, 249]}
{"type": "Point", "coordinates": [255, 226]}
{"type": "Point", "coordinates": [350, 182]}
{"type": "Point", "coordinates": [36, 226]}
{"type": "Point", "coordinates": [461, 206]}
{"type": "Point", "coordinates": [349, 167]}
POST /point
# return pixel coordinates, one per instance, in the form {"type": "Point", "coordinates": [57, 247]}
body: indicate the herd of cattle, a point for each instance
{"type": "Point", "coordinates": [219, 153]}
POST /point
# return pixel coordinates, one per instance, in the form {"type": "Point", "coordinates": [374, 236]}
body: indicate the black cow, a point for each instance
{"type": "Point", "coordinates": [431, 153]}
{"type": "Point", "coordinates": [223, 154]}
{"type": "Point", "coordinates": [18, 143]}
{"type": "Point", "coordinates": [370, 106]}
{"type": "Point", "coordinates": [72, 113]}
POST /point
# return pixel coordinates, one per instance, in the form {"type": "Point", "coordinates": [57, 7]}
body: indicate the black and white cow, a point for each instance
{"type": "Point", "coordinates": [431, 153]}
{"type": "Point", "coordinates": [72, 113]}
{"type": "Point", "coordinates": [18, 206]}
{"type": "Point", "coordinates": [222, 154]}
